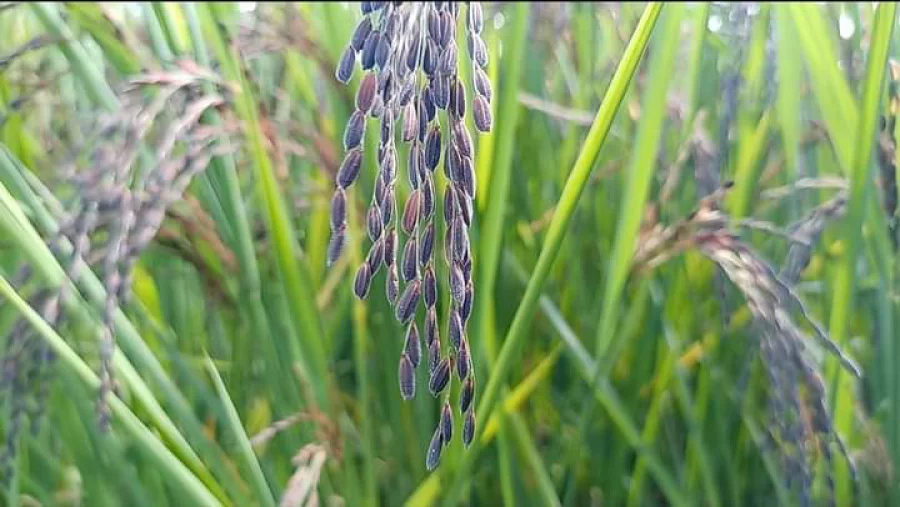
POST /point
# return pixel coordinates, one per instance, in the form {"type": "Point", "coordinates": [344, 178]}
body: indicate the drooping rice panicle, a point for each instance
{"type": "Point", "coordinates": [409, 54]}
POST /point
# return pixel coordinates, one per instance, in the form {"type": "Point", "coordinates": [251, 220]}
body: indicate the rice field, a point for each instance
{"type": "Point", "coordinates": [449, 253]}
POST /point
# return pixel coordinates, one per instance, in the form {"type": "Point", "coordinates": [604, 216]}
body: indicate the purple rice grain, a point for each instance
{"type": "Point", "coordinates": [349, 169]}
{"type": "Point", "coordinates": [413, 345]}
{"type": "Point", "coordinates": [440, 377]}
{"type": "Point", "coordinates": [433, 457]}
{"type": "Point", "coordinates": [410, 261]}
{"type": "Point", "coordinates": [446, 423]}
{"type": "Point", "coordinates": [406, 306]}
{"type": "Point", "coordinates": [468, 432]}
{"type": "Point", "coordinates": [429, 287]}
{"type": "Point", "coordinates": [407, 378]}
{"type": "Point", "coordinates": [346, 64]}
{"type": "Point", "coordinates": [467, 394]}
{"type": "Point", "coordinates": [363, 281]}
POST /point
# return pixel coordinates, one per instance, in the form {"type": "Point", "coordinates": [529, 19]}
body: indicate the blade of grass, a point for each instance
{"type": "Point", "coordinates": [233, 421]}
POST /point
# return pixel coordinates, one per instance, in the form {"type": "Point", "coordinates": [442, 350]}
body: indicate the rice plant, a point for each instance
{"type": "Point", "coordinates": [232, 273]}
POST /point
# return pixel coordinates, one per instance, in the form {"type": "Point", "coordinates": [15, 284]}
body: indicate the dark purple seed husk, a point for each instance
{"type": "Point", "coordinates": [433, 457]}
{"type": "Point", "coordinates": [459, 240]}
{"type": "Point", "coordinates": [427, 196]}
{"type": "Point", "coordinates": [476, 17]}
{"type": "Point", "coordinates": [431, 330]}
{"type": "Point", "coordinates": [377, 107]}
{"type": "Point", "coordinates": [429, 282]}
{"type": "Point", "coordinates": [412, 57]}
{"type": "Point", "coordinates": [481, 114]}
{"type": "Point", "coordinates": [413, 346]}
{"type": "Point", "coordinates": [365, 96]}
{"type": "Point", "coordinates": [468, 432]}
{"type": "Point", "coordinates": [458, 99]}
{"type": "Point", "coordinates": [390, 247]}
{"type": "Point", "coordinates": [353, 133]}
{"type": "Point", "coordinates": [336, 245]}
{"type": "Point", "coordinates": [433, 148]}
{"type": "Point", "coordinates": [387, 205]}
{"type": "Point", "coordinates": [441, 89]}
{"type": "Point", "coordinates": [373, 222]}
{"type": "Point", "coordinates": [455, 329]}
{"type": "Point", "coordinates": [426, 245]}
{"type": "Point", "coordinates": [363, 281]}
{"type": "Point", "coordinates": [345, 66]}
{"type": "Point", "coordinates": [409, 265]}
{"type": "Point", "coordinates": [463, 363]}
{"type": "Point", "coordinates": [407, 375]}
{"type": "Point", "coordinates": [467, 268]}
{"type": "Point", "coordinates": [434, 354]}
{"type": "Point", "coordinates": [406, 306]}
{"type": "Point", "coordinates": [462, 139]}
{"type": "Point", "coordinates": [434, 25]}
{"type": "Point", "coordinates": [446, 30]}
{"type": "Point", "coordinates": [410, 123]}
{"type": "Point", "coordinates": [429, 63]}
{"type": "Point", "coordinates": [375, 256]}
{"type": "Point", "coordinates": [382, 51]}
{"type": "Point", "coordinates": [446, 423]}
{"type": "Point", "coordinates": [467, 176]}
{"type": "Point", "coordinates": [428, 103]}
{"type": "Point", "coordinates": [448, 60]}
{"type": "Point", "coordinates": [367, 60]}
{"type": "Point", "coordinates": [452, 162]}
{"type": "Point", "coordinates": [359, 35]}
{"type": "Point", "coordinates": [440, 377]}
{"type": "Point", "coordinates": [416, 160]}
{"type": "Point", "coordinates": [392, 285]}
{"type": "Point", "coordinates": [338, 208]}
{"type": "Point", "coordinates": [350, 167]}
{"type": "Point", "coordinates": [389, 164]}
{"type": "Point", "coordinates": [478, 51]}
{"type": "Point", "coordinates": [380, 187]}
{"type": "Point", "coordinates": [467, 394]}
{"type": "Point", "coordinates": [465, 310]}
{"type": "Point", "coordinates": [464, 205]}
{"type": "Point", "coordinates": [483, 84]}
{"type": "Point", "coordinates": [366, 8]}
{"type": "Point", "coordinates": [457, 284]}
{"type": "Point", "coordinates": [423, 126]}
{"type": "Point", "coordinates": [411, 211]}
{"type": "Point", "coordinates": [450, 206]}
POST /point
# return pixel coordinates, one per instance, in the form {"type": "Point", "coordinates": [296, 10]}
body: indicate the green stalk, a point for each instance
{"type": "Point", "coordinates": [233, 420]}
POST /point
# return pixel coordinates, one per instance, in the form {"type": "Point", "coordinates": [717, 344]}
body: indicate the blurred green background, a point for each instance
{"type": "Point", "coordinates": [251, 375]}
